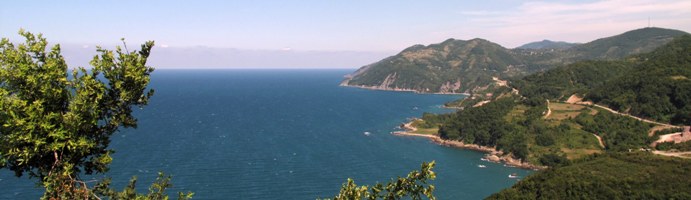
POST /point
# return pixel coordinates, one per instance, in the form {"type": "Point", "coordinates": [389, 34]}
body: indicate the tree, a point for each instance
{"type": "Point", "coordinates": [56, 126]}
{"type": "Point", "coordinates": [415, 185]}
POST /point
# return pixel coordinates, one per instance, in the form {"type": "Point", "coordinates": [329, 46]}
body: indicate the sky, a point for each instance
{"type": "Point", "coordinates": [321, 33]}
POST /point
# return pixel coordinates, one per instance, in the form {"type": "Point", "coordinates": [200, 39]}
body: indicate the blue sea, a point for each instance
{"type": "Point", "coordinates": [280, 134]}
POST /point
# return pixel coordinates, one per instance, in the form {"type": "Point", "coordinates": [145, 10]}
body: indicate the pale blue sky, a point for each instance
{"type": "Point", "coordinates": [369, 29]}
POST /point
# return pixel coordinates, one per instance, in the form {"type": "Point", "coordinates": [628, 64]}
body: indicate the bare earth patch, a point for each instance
{"type": "Point", "coordinates": [561, 111]}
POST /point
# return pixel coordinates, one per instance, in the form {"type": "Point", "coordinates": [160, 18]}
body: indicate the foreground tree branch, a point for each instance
{"type": "Point", "coordinates": [57, 126]}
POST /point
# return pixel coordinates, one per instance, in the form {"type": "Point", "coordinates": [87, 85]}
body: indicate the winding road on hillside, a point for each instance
{"type": "Point", "coordinates": [684, 154]}
{"type": "Point", "coordinates": [638, 118]}
{"type": "Point", "coordinates": [549, 110]}
{"type": "Point", "coordinates": [575, 100]}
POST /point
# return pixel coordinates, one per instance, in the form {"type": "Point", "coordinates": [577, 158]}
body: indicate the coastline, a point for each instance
{"type": "Point", "coordinates": [401, 90]}
{"type": "Point", "coordinates": [493, 155]}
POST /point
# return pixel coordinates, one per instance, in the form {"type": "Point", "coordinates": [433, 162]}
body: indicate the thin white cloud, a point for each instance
{"type": "Point", "coordinates": [578, 22]}
{"type": "Point", "coordinates": [479, 12]}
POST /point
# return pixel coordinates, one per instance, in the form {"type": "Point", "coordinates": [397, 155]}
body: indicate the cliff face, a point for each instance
{"type": "Point", "coordinates": [460, 66]}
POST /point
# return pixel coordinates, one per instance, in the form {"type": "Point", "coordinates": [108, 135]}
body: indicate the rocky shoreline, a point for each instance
{"type": "Point", "coordinates": [492, 154]}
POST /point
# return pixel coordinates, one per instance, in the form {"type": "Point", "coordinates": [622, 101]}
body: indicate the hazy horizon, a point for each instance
{"type": "Point", "coordinates": [308, 34]}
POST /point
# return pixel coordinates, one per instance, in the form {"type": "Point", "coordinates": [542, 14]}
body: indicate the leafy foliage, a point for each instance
{"type": "Point", "coordinates": [564, 81]}
{"type": "Point", "coordinates": [486, 125]}
{"type": "Point", "coordinates": [414, 186]}
{"type": "Point", "coordinates": [478, 125]}
{"type": "Point", "coordinates": [57, 126]}
{"type": "Point", "coordinates": [619, 133]}
{"type": "Point", "coordinates": [660, 88]}
{"type": "Point", "coordinates": [665, 146]}
{"type": "Point", "coordinates": [608, 176]}
{"type": "Point", "coordinates": [554, 160]}
{"type": "Point", "coordinates": [156, 190]}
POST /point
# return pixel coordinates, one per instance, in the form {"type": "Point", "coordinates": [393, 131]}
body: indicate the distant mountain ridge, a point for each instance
{"type": "Point", "coordinates": [548, 44]}
{"type": "Point", "coordinates": [465, 66]}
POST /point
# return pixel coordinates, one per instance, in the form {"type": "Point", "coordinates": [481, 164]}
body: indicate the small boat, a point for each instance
{"type": "Point", "coordinates": [484, 159]}
{"type": "Point", "coordinates": [367, 133]}
{"type": "Point", "coordinates": [513, 175]}
{"type": "Point", "coordinates": [481, 166]}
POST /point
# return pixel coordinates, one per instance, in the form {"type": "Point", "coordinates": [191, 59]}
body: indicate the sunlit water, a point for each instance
{"type": "Point", "coordinates": [280, 134]}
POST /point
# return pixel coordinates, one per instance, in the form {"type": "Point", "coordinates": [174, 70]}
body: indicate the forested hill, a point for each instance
{"type": "Point", "coordinates": [547, 44]}
{"type": "Point", "coordinates": [453, 66]}
{"type": "Point", "coordinates": [458, 66]}
{"type": "Point", "coordinates": [619, 46]}
{"type": "Point", "coordinates": [593, 153]}
{"type": "Point", "coordinates": [610, 176]}
{"type": "Point", "coordinates": [530, 120]}
{"type": "Point", "coordinates": [659, 88]}
{"type": "Point", "coordinates": [655, 85]}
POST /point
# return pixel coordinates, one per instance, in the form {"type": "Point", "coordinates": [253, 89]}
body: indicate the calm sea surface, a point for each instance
{"type": "Point", "coordinates": [280, 134]}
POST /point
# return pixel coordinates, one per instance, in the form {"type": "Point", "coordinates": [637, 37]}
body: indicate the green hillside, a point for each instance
{"type": "Point", "coordinates": [534, 125]}
{"type": "Point", "coordinates": [654, 85]}
{"type": "Point", "coordinates": [619, 46]}
{"type": "Point", "coordinates": [577, 78]}
{"type": "Point", "coordinates": [458, 66]}
{"type": "Point", "coordinates": [453, 66]}
{"type": "Point", "coordinates": [593, 153]}
{"type": "Point", "coordinates": [610, 176]}
{"type": "Point", "coordinates": [548, 44]}
{"type": "Point", "coordinates": [659, 88]}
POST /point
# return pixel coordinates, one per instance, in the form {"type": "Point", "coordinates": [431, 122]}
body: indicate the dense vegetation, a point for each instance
{"type": "Point", "coordinates": [577, 78]}
{"type": "Point", "coordinates": [56, 127]}
{"type": "Point", "coordinates": [473, 63]}
{"type": "Point", "coordinates": [547, 44]}
{"type": "Point", "coordinates": [517, 126]}
{"type": "Point", "coordinates": [620, 46]}
{"type": "Point", "coordinates": [415, 186]}
{"type": "Point", "coordinates": [619, 133]}
{"type": "Point", "coordinates": [659, 88]}
{"type": "Point", "coordinates": [637, 175]}
{"type": "Point", "coordinates": [520, 126]}
{"type": "Point", "coordinates": [427, 68]}
{"type": "Point", "coordinates": [665, 146]}
{"type": "Point", "coordinates": [655, 85]}
{"type": "Point", "coordinates": [485, 125]}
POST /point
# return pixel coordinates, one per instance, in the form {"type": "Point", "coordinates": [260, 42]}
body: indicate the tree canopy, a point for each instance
{"type": "Point", "coordinates": [414, 186]}
{"type": "Point", "coordinates": [57, 125]}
